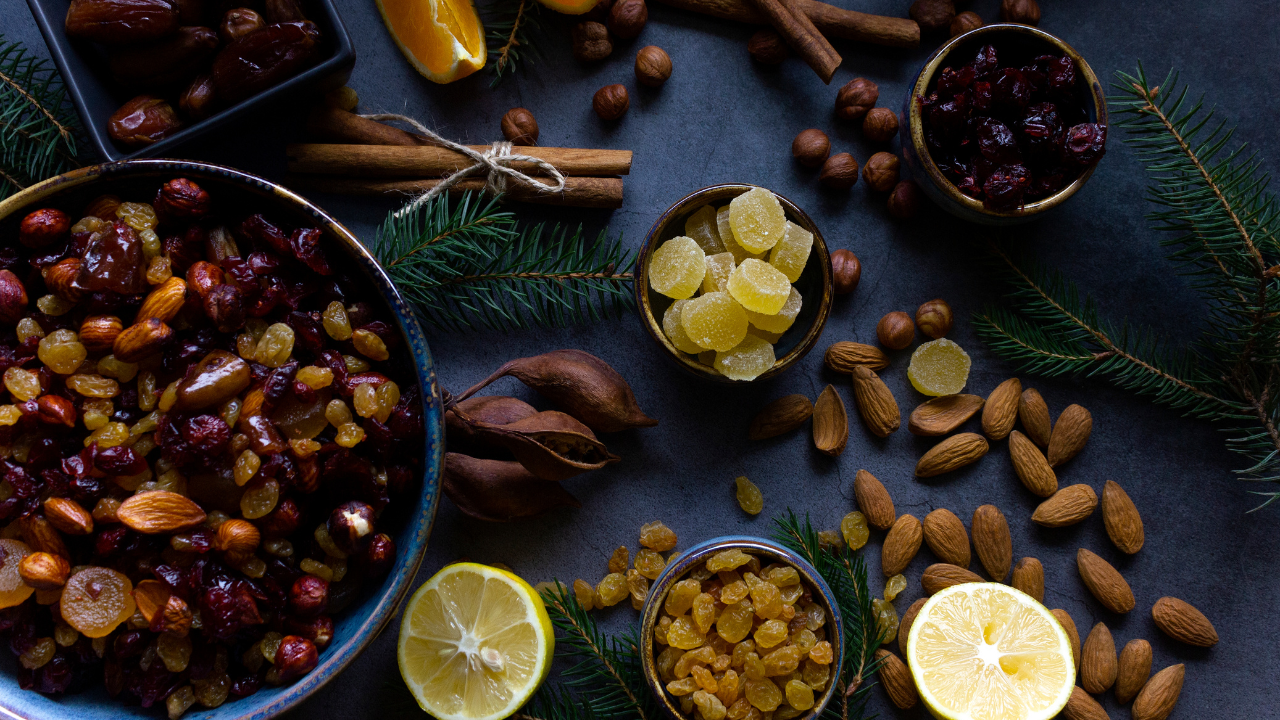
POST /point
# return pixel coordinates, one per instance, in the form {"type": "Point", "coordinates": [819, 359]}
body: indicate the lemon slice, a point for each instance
{"type": "Point", "coordinates": [442, 38]}
{"type": "Point", "coordinates": [985, 651]}
{"type": "Point", "coordinates": [475, 643]}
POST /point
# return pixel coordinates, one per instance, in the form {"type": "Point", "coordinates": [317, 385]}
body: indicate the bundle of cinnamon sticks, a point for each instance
{"type": "Point", "coordinates": [358, 156]}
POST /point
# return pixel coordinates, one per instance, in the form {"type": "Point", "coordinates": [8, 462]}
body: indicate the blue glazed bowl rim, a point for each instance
{"type": "Point", "coordinates": [682, 563]}
{"type": "Point", "coordinates": [335, 658]}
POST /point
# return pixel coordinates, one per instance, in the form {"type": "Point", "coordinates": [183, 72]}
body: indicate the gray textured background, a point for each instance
{"type": "Point", "coordinates": [720, 118]}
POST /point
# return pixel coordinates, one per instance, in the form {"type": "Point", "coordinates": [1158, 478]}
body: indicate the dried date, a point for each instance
{"type": "Point", "coordinates": [143, 120]}
{"type": "Point", "coordinates": [199, 101]}
{"type": "Point", "coordinates": [165, 62]}
{"type": "Point", "coordinates": [258, 61]}
{"type": "Point", "coordinates": [121, 22]}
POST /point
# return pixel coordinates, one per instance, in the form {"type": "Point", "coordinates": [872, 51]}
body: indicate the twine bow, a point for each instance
{"type": "Point", "coordinates": [494, 163]}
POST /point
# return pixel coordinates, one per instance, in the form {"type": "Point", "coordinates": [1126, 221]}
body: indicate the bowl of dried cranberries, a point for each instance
{"type": "Point", "coordinates": [219, 445]}
{"type": "Point", "coordinates": [1003, 123]}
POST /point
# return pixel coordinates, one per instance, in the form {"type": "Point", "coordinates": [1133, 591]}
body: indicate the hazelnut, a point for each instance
{"type": "Point", "coordinates": [380, 555]}
{"type": "Point", "coordinates": [99, 332]}
{"type": "Point", "coordinates": [811, 147]}
{"type": "Point", "coordinates": [846, 271]}
{"type": "Point", "coordinates": [44, 227]}
{"type": "Point", "coordinates": [181, 199]}
{"type": "Point", "coordinates": [238, 539]}
{"type": "Point", "coordinates": [282, 521]}
{"type": "Point", "coordinates": [611, 102]}
{"type": "Point", "coordinates": [896, 330]}
{"type": "Point", "coordinates": [13, 298]}
{"type": "Point", "coordinates": [653, 66]}
{"type": "Point", "coordinates": [44, 571]}
{"type": "Point", "coordinates": [1026, 12]}
{"type": "Point", "coordinates": [839, 172]}
{"type": "Point", "coordinates": [309, 596]}
{"type": "Point", "coordinates": [224, 306]}
{"type": "Point", "coordinates": [934, 318]}
{"type": "Point", "coordinates": [319, 630]}
{"type": "Point", "coordinates": [904, 200]}
{"type": "Point", "coordinates": [56, 410]}
{"type": "Point", "coordinates": [295, 657]}
{"type": "Point", "coordinates": [964, 22]}
{"type": "Point", "coordinates": [880, 125]}
{"type": "Point", "coordinates": [881, 171]}
{"type": "Point", "coordinates": [591, 42]}
{"type": "Point", "coordinates": [857, 97]}
{"type": "Point", "coordinates": [768, 48]}
{"type": "Point", "coordinates": [627, 18]}
{"type": "Point", "coordinates": [175, 618]}
{"type": "Point", "coordinates": [520, 127]}
{"type": "Point", "coordinates": [351, 526]}
{"type": "Point", "coordinates": [933, 15]}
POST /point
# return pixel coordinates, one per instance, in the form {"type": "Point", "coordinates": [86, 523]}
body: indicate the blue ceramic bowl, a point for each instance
{"type": "Point", "coordinates": [769, 552]}
{"type": "Point", "coordinates": [357, 625]}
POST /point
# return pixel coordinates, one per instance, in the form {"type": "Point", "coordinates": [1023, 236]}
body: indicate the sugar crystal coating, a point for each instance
{"type": "Point", "coordinates": [940, 367]}
{"type": "Point", "coordinates": [792, 253]}
{"type": "Point", "coordinates": [702, 227]}
{"type": "Point", "coordinates": [677, 268]}
{"type": "Point", "coordinates": [714, 321]}
{"type": "Point", "coordinates": [674, 331]}
{"type": "Point", "coordinates": [757, 220]}
{"type": "Point", "coordinates": [782, 320]}
{"type": "Point", "coordinates": [759, 287]}
{"type": "Point", "coordinates": [719, 266]}
{"type": "Point", "coordinates": [748, 360]}
{"type": "Point", "coordinates": [731, 245]}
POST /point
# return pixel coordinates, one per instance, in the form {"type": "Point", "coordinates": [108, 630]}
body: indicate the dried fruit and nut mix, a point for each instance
{"type": "Point", "coordinates": [193, 470]}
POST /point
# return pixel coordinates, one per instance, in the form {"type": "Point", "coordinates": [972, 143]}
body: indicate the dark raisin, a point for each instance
{"type": "Point", "coordinates": [305, 243]}
{"type": "Point", "coordinates": [1085, 144]}
{"type": "Point", "coordinates": [1011, 92]}
{"type": "Point", "coordinates": [996, 142]}
{"type": "Point", "coordinates": [1004, 189]}
{"type": "Point", "coordinates": [985, 63]}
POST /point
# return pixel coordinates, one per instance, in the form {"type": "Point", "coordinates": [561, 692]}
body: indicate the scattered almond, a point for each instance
{"type": "Point", "coordinates": [941, 415]}
{"type": "Point", "coordinates": [1183, 622]}
{"type": "Point", "coordinates": [67, 516]}
{"type": "Point", "coordinates": [873, 500]}
{"type": "Point", "coordinates": [830, 423]}
{"type": "Point", "coordinates": [946, 537]}
{"type": "Point", "coordinates": [1029, 463]}
{"type": "Point", "coordinates": [1001, 410]}
{"type": "Point", "coordinates": [1069, 625]}
{"type": "Point", "coordinates": [780, 417]}
{"type": "Point", "coordinates": [1134, 668]}
{"type": "Point", "coordinates": [1028, 576]}
{"type": "Point", "coordinates": [844, 356]}
{"type": "Point", "coordinates": [951, 454]}
{"type": "Point", "coordinates": [1080, 706]}
{"type": "Point", "coordinates": [900, 545]}
{"type": "Point", "coordinates": [159, 511]}
{"type": "Point", "coordinates": [904, 626]}
{"type": "Point", "coordinates": [897, 681]}
{"type": "Point", "coordinates": [1121, 518]}
{"type": "Point", "coordinates": [875, 402]}
{"type": "Point", "coordinates": [1068, 506]}
{"type": "Point", "coordinates": [938, 576]}
{"type": "Point", "coordinates": [991, 541]}
{"type": "Point", "coordinates": [1160, 694]}
{"type": "Point", "coordinates": [1098, 665]}
{"type": "Point", "coordinates": [1034, 414]}
{"type": "Point", "coordinates": [1105, 582]}
{"type": "Point", "coordinates": [1070, 434]}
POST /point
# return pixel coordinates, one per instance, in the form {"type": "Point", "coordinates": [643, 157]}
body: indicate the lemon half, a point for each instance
{"type": "Point", "coordinates": [475, 643]}
{"type": "Point", "coordinates": [985, 651]}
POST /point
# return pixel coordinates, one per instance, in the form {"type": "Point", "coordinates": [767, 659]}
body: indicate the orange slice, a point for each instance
{"type": "Point", "coordinates": [570, 7]}
{"type": "Point", "coordinates": [442, 38]}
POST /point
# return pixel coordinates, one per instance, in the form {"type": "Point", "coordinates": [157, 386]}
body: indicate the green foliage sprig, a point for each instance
{"type": "Point", "coordinates": [38, 129]}
{"type": "Point", "coordinates": [1220, 227]}
{"type": "Point", "coordinates": [513, 27]}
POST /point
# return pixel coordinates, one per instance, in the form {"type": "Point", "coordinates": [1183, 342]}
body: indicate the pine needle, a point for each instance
{"type": "Point", "coordinates": [513, 27]}
{"type": "Point", "coordinates": [38, 129]}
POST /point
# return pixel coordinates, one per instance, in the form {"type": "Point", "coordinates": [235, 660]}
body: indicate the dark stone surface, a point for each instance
{"type": "Point", "coordinates": [721, 119]}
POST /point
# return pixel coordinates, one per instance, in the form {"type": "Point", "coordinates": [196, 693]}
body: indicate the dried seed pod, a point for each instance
{"type": "Point", "coordinates": [830, 423]}
{"type": "Point", "coordinates": [548, 454]}
{"type": "Point", "coordinates": [498, 490]}
{"type": "Point", "coordinates": [780, 417]}
{"type": "Point", "coordinates": [489, 409]}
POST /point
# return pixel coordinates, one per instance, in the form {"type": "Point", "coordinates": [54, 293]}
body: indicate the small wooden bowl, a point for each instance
{"type": "Point", "coordinates": [814, 285]}
{"type": "Point", "coordinates": [916, 153]}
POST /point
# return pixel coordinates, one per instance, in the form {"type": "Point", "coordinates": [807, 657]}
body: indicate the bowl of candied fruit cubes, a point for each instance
{"type": "Point", "coordinates": [220, 442]}
{"type": "Point", "coordinates": [1004, 123]}
{"type": "Point", "coordinates": [734, 283]}
{"type": "Point", "coordinates": [741, 627]}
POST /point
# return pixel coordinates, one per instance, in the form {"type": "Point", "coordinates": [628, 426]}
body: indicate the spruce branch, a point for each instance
{"type": "Point", "coordinates": [512, 25]}
{"type": "Point", "coordinates": [38, 130]}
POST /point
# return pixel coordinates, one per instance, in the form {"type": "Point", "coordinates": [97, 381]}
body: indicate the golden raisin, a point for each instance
{"type": "Point", "coordinates": [657, 536]}
{"type": "Point", "coordinates": [349, 435]}
{"type": "Point", "coordinates": [335, 321]}
{"type": "Point", "coordinates": [370, 345]}
{"type": "Point", "coordinates": [649, 563]}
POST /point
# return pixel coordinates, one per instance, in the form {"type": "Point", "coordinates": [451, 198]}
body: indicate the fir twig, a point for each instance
{"type": "Point", "coordinates": [512, 27]}
{"type": "Point", "coordinates": [38, 131]}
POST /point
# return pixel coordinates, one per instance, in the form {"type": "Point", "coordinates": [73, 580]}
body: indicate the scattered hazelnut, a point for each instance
{"type": "Point", "coordinates": [964, 22]}
{"type": "Point", "coordinates": [351, 526]}
{"type": "Point", "coordinates": [380, 555]}
{"type": "Point", "coordinates": [846, 271]}
{"type": "Point", "coordinates": [933, 15]}
{"type": "Point", "coordinates": [857, 97]}
{"type": "Point", "coordinates": [1026, 12]}
{"type": "Point", "coordinates": [309, 596]}
{"type": "Point", "coordinates": [934, 318]}
{"type": "Point", "coordinates": [811, 147]}
{"type": "Point", "coordinates": [519, 127]}
{"type": "Point", "coordinates": [904, 201]}
{"type": "Point", "coordinates": [44, 571]}
{"type": "Point", "coordinates": [611, 102]}
{"type": "Point", "coordinates": [896, 330]}
{"type": "Point", "coordinates": [767, 47]}
{"type": "Point", "coordinates": [295, 657]}
{"type": "Point", "coordinates": [43, 227]}
{"type": "Point", "coordinates": [282, 521]}
{"type": "Point", "coordinates": [653, 66]}
{"type": "Point", "coordinates": [13, 298]}
{"type": "Point", "coordinates": [839, 172]}
{"type": "Point", "coordinates": [880, 124]}
{"type": "Point", "coordinates": [627, 18]}
{"type": "Point", "coordinates": [591, 42]}
{"type": "Point", "coordinates": [881, 171]}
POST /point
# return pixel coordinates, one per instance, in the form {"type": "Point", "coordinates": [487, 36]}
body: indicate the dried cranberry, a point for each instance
{"type": "Point", "coordinates": [184, 250]}
{"type": "Point", "coordinates": [114, 261]}
{"type": "Point", "coordinates": [109, 542]}
{"type": "Point", "coordinates": [260, 230]}
{"type": "Point", "coordinates": [399, 479]}
{"type": "Point", "coordinates": [1085, 144]}
{"type": "Point", "coordinates": [23, 483]}
{"type": "Point", "coordinates": [948, 119]}
{"type": "Point", "coordinates": [308, 331]}
{"type": "Point", "coordinates": [1041, 128]}
{"type": "Point", "coordinates": [282, 521]}
{"type": "Point", "coordinates": [50, 255]}
{"type": "Point", "coordinates": [1011, 91]}
{"type": "Point", "coordinates": [263, 263]}
{"type": "Point", "coordinates": [208, 434]}
{"type": "Point", "coordinates": [1061, 76]}
{"type": "Point", "coordinates": [303, 392]}
{"type": "Point", "coordinates": [360, 313]}
{"type": "Point", "coordinates": [1045, 185]}
{"type": "Point", "coordinates": [278, 384]}
{"type": "Point", "coordinates": [152, 685]}
{"type": "Point", "coordinates": [9, 258]}
{"type": "Point", "coordinates": [269, 297]}
{"type": "Point", "coordinates": [1005, 188]}
{"type": "Point", "coordinates": [87, 489]}
{"type": "Point", "coordinates": [226, 606]}
{"type": "Point", "coordinates": [44, 452]}
{"type": "Point", "coordinates": [54, 676]}
{"type": "Point", "coordinates": [985, 63]}
{"type": "Point", "coordinates": [1035, 79]}
{"type": "Point", "coordinates": [130, 643]}
{"type": "Point", "coordinates": [953, 82]}
{"type": "Point", "coordinates": [996, 142]}
{"type": "Point", "coordinates": [118, 460]}
{"type": "Point", "coordinates": [245, 686]}
{"type": "Point", "coordinates": [305, 243]}
{"type": "Point", "coordinates": [170, 575]}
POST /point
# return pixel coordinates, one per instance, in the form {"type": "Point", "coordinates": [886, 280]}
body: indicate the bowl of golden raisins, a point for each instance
{"type": "Point", "coordinates": [741, 627]}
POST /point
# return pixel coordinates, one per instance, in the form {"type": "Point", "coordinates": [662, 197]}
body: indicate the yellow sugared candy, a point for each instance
{"type": "Point", "coordinates": [718, 268]}
{"type": "Point", "coordinates": [792, 253]}
{"type": "Point", "coordinates": [757, 220]}
{"type": "Point", "coordinates": [938, 368]}
{"type": "Point", "coordinates": [714, 321]}
{"type": "Point", "coordinates": [674, 331]}
{"type": "Point", "coordinates": [780, 321]}
{"type": "Point", "coordinates": [771, 338]}
{"type": "Point", "coordinates": [702, 227]}
{"type": "Point", "coordinates": [759, 287]}
{"type": "Point", "coordinates": [751, 358]}
{"type": "Point", "coordinates": [677, 268]}
{"type": "Point", "coordinates": [731, 245]}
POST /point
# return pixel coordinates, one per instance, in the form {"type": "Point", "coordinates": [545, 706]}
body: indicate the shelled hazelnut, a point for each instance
{"type": "Point", "coordinates": [1026, 12]}
{"type": "Point", "coordinates": [839, 172]}
{"type": "Point", "coordinates": [13, 298]}
{"type": "Point", "coordinates": [43, 227]}
{"type": "Point", "coordinates": [846, 271]}
{"type": "Point", "coordinates": [591, 42]}
{"type": "Point", "coordinates": [881, 171]}
{"type": "Point", "coordinates": [811, 147]}
{"type": "Point", "coordinates": [904, 201]}
{"type": "Point", "coordinates": [627, 18]}
{"type": "Point", "coordinates": [611, 102]}
{"type": "Point", "coordinates": [934, 318]}
{"type": "Point", "coordinates": [653, 66]}
{"type": "Point", "coordinates": [933, 15]}
{"type": "Point", "coordinates": [896, 330]}
{"type": "Point", "coordinates": [856, 98]}
{"type": "Point", "coordinates": [520, 127]}
{"type": "Point", "coordinates": [880, 125]}
{"type": "Point", "coordinates": [767, 47]}
{"type": "Point", "coordinates": [964, 22]}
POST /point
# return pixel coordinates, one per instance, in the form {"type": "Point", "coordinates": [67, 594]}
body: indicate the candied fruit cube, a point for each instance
{"type": "Point", "coordinates": [757, 220]}
{"type": "Point", "coordinates": [674, 330]}
{"type": "Point", "coordinates": [680, 598]}
{"type": "Point", "coordinates": [701, 226]}
{"type": "Point", "coordinates": [649, 563]}
{"type": "Point", "coordinates": [734, 623]}
{"type": "Point", "coordinates": [939, 367]}
{"type": "Point", "coordinates": [759, 287]}
{"type": "Point", "coordinates": [677, 268]}
{"type": "Point", "coordinates": [714, 321]}
{"type": "Point", "coordinates": [748, 360]}
{"type": "Point", "coordinates": [774, 325]}
{"type": "Point", "coordinates": [657, 536]}
{"type": "Point", "coordinates": [791, 254]}
{"type": "Point", "coordinates": [731, 245]}
{"type": "Point", "coordinates": [719, 267]}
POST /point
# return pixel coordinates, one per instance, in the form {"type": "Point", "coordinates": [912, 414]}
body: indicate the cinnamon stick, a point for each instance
{"type": "Point", "coordinates": [588, 192]}
{"type": "Point", "coordinates": [798, 30]}
{"type": "Point", "coordinates": [832, 21]}
{"type": "Point", "coordinates": [335, 125]}
{"type": "Point", "coordinates": [431, 161]}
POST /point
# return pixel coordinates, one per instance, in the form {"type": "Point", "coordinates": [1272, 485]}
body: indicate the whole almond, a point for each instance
{"type": "Point", "coordinates": [873, 500]}
{"type": "Point", "coordinates": [141, 340]}
{"type": "Point", "coordinates": [44, 571]}
{"type": "Point", "coordinates": [938, 576]}
{"type": "Point", "coordinates": [1181, 621]}
{"type": "Point", "coordinates": [1001, 410]}
{"type": "Point", "coordinates": [830, 423]}
{"type": "Point", "coordinates": [1105, 582]}
{"type": "Point", "coordinates": [42, 536]}
{"type": "Point", "coordinates": [900, 545]}
{"type": "Point", "coordinates": [1121, 518]}
{"type": "Point", "coordinates": [1135, 667]}
{"type": "Point", "coordinates": [897, 680]}
{"type": "Point", "coordinates": [1069, 626]}
{"type": "Point", "coordinates": [1098, 666]}
{"type": "Point", "coordinates": [67, 516]}
{"type": "Point", "coordinates": [1028, 576]}
{"type": "Point", "coordinates": [1156, 699]}
{"type": "Point", "coordinates": [952, 454]}
{"type": "Point", "coordinates": [1080, 706]}
{"type": "Point", "coordinates": [159, 511]}
{"type": "Point", "coordinates": [946, 537]}
{"type": "Point", "coordinates": [151, 596]}
{"type": "Point", "coordinates": [844, 356]}
{"type": "Point", "coordinates": [991, 541]}
{"type": "Point", "coordinates": [780, 417]}
{"type": "Point", "coordinates": [908, 617]}
{"type": "Point", "coordinates": [98, 333]}
{"type": "Point", "coordinates": [164, 302]}
{"type": "Point", "coordinates": [941, 415]}
{"type": "Point", "coordinates": [1070, 434]}
{"type": "Point", "coordinates": [1029, 463]}
{"type": "Point", "coordinates": [876, 405]}
{"type": "Point", "coordinates": [1068, 506]}
{"type": "Point", "coordinates": [1034, 414]}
